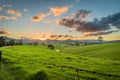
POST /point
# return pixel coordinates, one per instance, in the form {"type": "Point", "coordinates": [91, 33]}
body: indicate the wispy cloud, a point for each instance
{"type": "Point", "coordinates": [48, 14]}
{"type": "Point", "coordinates": [11, 14]}
{"type": "Point", "coordinates": [45, 36]}
{"type": "Point", "coordinates": [38, 17]}
{"type": "Point", "coordinates": [82, 14]}
{"type": "Point", "coordinates": [25, 10]}
{"type": "Point", "coordinates": [77, 0]}
{"type": "Point", "coordinates": [0, 8]}
{"type": "Point", "coordinates": [99, 33]}
{"type": "Point", "coordinates": [1, 17]}
{"type": "Point", "coordinates": [14, 13]}
{"type": "Point", "coordinates": [8, 5]}
{"type": "Point", "coordinates": [7, 17]}
{"type": "Point", "coordinates": [5, 6]}
{"type": "Point", "coordinates": [4, 31]}
{"type": "Point", "coordinates": [48, 22]}
{"type": "Point", "coordinates": [57, 11]}
{"type": "Point", "coordinates": [62, 37]}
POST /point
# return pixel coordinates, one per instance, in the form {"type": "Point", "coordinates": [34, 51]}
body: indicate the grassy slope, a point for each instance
{"type": "Point", "coordinates": [26, 60]}
{"type": "Point", "coordinates": [5, 74]}
{"type": "Point", "coordinates": [105, 51]}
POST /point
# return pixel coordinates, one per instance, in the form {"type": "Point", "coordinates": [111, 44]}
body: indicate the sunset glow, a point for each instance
{"type": "Point", "coordinates": [60, 19]}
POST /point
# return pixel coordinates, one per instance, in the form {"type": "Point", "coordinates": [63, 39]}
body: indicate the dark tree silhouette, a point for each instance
{"type": "Point", "coordinates": [2, 41]}
{"type": "Point", "coordinates": [43, 44]}
{"type": "Point", "coordinates": [85, 43]}
{"type": "Point", "coordinates": [77, 44]}
{"type": "Point", "coordinates": [50, 46]}
{"type": "Point", "coordinates": [11, 42]}
{"type": "Point", "coordinates": [35, 43]}
{"type": "Point", "coordinates": [20, 42]}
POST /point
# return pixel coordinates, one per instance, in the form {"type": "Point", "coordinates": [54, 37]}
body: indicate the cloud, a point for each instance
{"type": "Point", "coordinates": [38, 17]}
{"type": "Point", "coordinates": [8, 5]}
{"type": "Point", "coordinates": [82, 13]}
{"type": "Point", "coordinates": [14, 13]}
{"type": "Point", "coordinates": [7, 17]}
{"type": "Point", "coordinates": [77, 0]}
{"type": "Point", "coordinates": [25, 10]}
{"type": "Point", "coordinates": [0, 8]}
{"type": "Point", "coordinates": [57, 11]}
{"type": "Point", "coordinates": [48, 22]}
{"type": "Point", "coordinates": [61, 37]}
{"type": "Point", "coordinates": [10, 12]}
{"type": "Point", "coordinates": [4, 31]}
{"type": "Point", "coordinates": [5, 6]}
{"type": "Point", "coordinates": [48, 14]}
{"type": "Point", "coordinates": [1, 17]}
{"type": "Point", "coordinates": [45, 36]}
{"type": "Point", "coordinates": [95, 27]}
{"type": "Point", "coordinates": [99, 33]}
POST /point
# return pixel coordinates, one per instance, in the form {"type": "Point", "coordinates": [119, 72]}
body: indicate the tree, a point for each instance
{"type": "Point", "coordinates": [50, 46]}
{"type": "Point", "coordinates": [11, 42]}
{"type": "Point", "coordinates": [100, 38]}
{"type": "Point", "coordinates": [2, 41]}
{"type": "Point", "coordinates": [35, 43]}
{"type": "Point", "coordinates": [20, 42]}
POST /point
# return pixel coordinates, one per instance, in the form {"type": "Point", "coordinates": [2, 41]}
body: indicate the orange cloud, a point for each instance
{"type": "Point", "coordinates": [10, 12]}
{"type": "Point", "coordinates": [38, 17]}
{"type": "Point", "coordinates": [13, 18]}
{"type": "Point", "coordinates": [62, 37]}
{"type": "Point", "coordinates": [0, 8]}
{"type": "Point", "coordinates": [57, 11]}
{"type": "Point", "coordinates": [4, 31]}
{"type": "Point", "coordinates": [45, 36]}
{"type": "Point", "coordinates": [1, 17]}
{"type": "Point", "coordinates": [57, 22]}
{"type": "Point", "coordinates": [40, 36]}
{"type": "Point", "coordinates": [14, 13]}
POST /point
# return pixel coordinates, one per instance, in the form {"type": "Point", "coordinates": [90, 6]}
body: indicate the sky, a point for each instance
{"type": "Point", "coordinates": [60, 19]}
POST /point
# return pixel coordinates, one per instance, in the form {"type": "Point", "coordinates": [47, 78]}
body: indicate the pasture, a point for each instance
{"type": "Point", "coordinates": [91, 62]}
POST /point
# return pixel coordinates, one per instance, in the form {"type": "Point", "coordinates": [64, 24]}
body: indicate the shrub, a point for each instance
{"type": "Point", "coordinates": [41, 75]}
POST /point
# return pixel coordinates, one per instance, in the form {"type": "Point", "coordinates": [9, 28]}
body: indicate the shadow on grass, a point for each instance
{"type": "Point", "coordinates": [41, 75]}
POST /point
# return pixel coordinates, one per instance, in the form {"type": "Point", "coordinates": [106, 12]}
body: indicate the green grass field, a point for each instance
{"type": "Point", "coordinates": [92, 62]}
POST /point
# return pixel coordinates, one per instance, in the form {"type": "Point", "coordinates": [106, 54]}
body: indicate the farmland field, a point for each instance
{"type": "Point", "coordinates": [91, 62]}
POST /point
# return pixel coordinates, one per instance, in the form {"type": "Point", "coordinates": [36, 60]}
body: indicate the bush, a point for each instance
{"type": "Point", "coordinates": [41, 75]}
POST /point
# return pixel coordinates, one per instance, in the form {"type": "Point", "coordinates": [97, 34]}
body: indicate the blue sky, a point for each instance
{"type": "Point", "coordinates": [32, 18]}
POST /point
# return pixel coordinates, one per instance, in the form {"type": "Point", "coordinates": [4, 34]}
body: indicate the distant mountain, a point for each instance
{"type": "Point", "coordinates": [7, 38]}
{"type": "Point", "coordinates": [26, 40]}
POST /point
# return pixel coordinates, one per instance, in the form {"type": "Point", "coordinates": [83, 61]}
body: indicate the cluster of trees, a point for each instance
{"type": "Point", "coordinates": [11, 42]}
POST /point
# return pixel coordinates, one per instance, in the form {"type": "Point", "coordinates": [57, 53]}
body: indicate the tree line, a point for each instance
{"type": "Point", "coordinates": [11, 42]}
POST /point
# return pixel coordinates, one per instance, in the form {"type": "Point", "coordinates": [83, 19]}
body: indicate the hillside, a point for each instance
{"type": "Point", "coordinates": [40, 63]}
{"type": "Point", "coordinates": [109, 51]}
